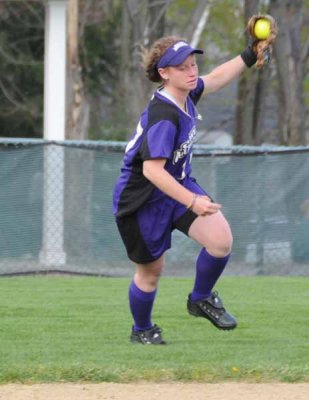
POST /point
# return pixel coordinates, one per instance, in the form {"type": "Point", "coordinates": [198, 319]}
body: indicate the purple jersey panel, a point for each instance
{"type": "Point", "coordinates": [160, 140]}
{"type": "Point", "coordinates": [164, 131]}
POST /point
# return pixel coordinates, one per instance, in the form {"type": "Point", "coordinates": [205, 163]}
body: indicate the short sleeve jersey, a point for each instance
{"type": "Point", "coordinates": [164, 131]}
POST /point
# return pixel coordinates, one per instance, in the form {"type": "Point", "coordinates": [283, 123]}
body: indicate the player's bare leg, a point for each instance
{"type": "Point", "coordinates": [147, 275]}
{"type": "Point", "coordinates": [214, 233]}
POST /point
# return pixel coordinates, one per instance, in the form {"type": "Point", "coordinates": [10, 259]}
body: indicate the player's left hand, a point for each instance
{"type": "Point", "coordinates": [204, 206]}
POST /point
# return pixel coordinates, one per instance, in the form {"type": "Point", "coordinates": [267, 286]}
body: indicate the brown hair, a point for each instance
{"type": "Point", "coordinates": [152, 56]}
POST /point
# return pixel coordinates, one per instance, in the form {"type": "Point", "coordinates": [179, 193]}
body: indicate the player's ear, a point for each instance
{"type": "Point", "coordinates": [163, 73]}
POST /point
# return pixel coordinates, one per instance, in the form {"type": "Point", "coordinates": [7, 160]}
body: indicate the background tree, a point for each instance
{"type": "Point", "coordinates": [21, 68]}
{"type": "Point", "coordinates": [77, 106]}
{"type": "Point", "coordinates": [100, 57]}
{"type": "Point", "coordinates": [291, 53]}
{"type": "Point", "coordinates": [106, 88]}
{"type": "Point", "coordinates": [78, 163]}
{"type": "Point", "coordinates": [278, 89]}
{"type": "Point", "coordinates": [250, 88]}
{"type": "Point", "coordinates": [142, 23]}
{"type": "Point", "coordinates": [256, 103]}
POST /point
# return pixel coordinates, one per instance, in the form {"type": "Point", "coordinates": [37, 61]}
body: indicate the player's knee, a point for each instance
{"type": "Point", "coordinates": [226, 241]}
{"type": "Point", "coordinates": [222, 246]}
{"type": "Point", "coordinates": [226, 246]}
{"type": "Point", "coordinates": [157, 269]}
{"type": "Point", "coordinates": [154, 274]}
{"type": "Point", "coordinates": [151, 271]}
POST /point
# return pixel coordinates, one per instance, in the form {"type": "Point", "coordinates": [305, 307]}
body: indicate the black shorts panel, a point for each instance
{"type": "Point", "coordinates": [185, 221]}
{"type": "Point", "coordinates": [133, 240]}
{"type": "Point", "coordinates": [147, 233]}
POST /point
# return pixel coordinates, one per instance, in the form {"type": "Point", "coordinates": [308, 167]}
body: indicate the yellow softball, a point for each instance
{"type": "Point", "coordinates": [262, 28]}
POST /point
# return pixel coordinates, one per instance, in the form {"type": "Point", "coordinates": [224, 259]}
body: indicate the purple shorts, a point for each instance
{"type": "Point", "coordinates": [147, 233]}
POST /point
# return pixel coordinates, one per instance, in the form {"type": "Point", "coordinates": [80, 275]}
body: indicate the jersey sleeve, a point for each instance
{"type": "Point", "coordinates": [198, 91]}
{"type": "Point", "coordinates": [159, 141]}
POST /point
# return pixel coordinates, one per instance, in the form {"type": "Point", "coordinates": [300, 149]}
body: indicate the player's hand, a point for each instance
{"type": "Point", "coordinates": [262, 47]}
{"type": "Point", "coordinates": [204, 206]}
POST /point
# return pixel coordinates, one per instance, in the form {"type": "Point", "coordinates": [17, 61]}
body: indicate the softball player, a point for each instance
{"type": "Point", "coordinates": [156, 193]}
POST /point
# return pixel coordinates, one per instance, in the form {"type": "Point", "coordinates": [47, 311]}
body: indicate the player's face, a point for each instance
{"type": "Point", "coordinates": [184, 76]}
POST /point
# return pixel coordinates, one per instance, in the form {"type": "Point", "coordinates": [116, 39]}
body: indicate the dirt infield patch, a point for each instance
{"type": "Point", "coordinates": [155, 391]}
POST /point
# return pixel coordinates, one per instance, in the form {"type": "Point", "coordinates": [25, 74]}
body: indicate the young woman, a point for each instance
{"type": "Point", "coordinates": [156, 193]}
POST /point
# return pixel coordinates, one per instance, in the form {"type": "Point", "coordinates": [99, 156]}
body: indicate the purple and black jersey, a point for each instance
{"type": "Point", "coordinates": [163, 132]}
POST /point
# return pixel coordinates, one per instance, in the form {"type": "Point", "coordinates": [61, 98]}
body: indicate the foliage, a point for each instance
{"type": "Point", "coordinates": [22, 53]}
{"type": "Point", "coordinates": [225, 30]}
{"type": "Point", "coordinates": [21, 69]}
{"type": "Point", "coordinates": [100, 49]}
{"type": "Point", "coordinates": [101, 65]}
{"type": "Point", "coordinates": [177, 15]}
{"type": "Point", "coordinates": [73, 329]}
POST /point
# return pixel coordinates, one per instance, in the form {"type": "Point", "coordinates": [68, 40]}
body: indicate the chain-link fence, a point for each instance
{"type": "Point", "coordinates": [56, 201]}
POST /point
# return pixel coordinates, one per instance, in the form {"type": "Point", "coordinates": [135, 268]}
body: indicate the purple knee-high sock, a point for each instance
{"type": "Point", "coordinates": [208, 271]}
{"type": "Point", "coordinates": [141, 307]}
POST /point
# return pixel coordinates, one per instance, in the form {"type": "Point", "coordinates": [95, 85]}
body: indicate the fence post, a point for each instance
{"type": "Point", "coordinates": [52, 253]}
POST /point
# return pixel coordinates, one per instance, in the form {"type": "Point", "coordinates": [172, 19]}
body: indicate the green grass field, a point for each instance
{"type": "Point", "coordinates": [77, 328]}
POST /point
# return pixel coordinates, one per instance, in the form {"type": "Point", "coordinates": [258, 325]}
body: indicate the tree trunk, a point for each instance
{"type": "Point", "coordinates": [78, 162]}
{"type": "Point", "coordinates": [197, 22]}
{"type": "Point", "coordinates": [156, 10]}
{"type": "Point", "coordinates": [244, 120]}
{"type": "Point", "coordinates": [291, 71]}
{"type": "Point", "coordinates": [77, 104]}
{"type": "Point", "coordinates": [128, 101]}
{"type": "Point", "coordinates": [260, 95]}
{"type": "Point", "coordinates": [253, 91]}
{"type": "Point", "coordinates": [142, 24]}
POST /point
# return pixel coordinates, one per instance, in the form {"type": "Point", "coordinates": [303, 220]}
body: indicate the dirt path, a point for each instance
{"type": "Point", "coordinates": [157, 391]}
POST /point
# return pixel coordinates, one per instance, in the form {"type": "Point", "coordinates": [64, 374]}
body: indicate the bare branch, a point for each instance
{"type": "Point", "coordinates": [15, 11]}
{"type": "Point", "coordinates": [200, 26]}
{"type": "Point", "coordinates": [34, 11]}
{"type": "Point", "coordinates": [305, 53]}
{"type": "Point", "coordinates": [133, 8]}
{"type": "Point", "coordinates": [164, 4]}
{"type": "Point", "coordinates": [9, 97]}
{"type": "Point", "coordinates": [10, 58]}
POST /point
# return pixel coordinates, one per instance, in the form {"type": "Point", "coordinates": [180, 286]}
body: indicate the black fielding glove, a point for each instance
{"type": "Point", "coordinates": [249, 57]}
